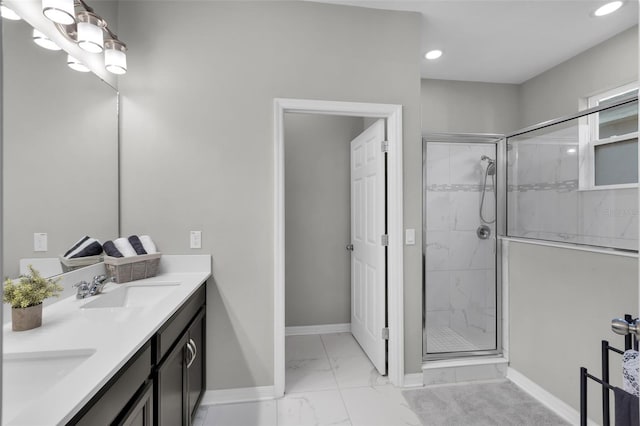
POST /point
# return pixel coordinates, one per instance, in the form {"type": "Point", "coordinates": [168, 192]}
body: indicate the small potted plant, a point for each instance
{"type": "Point", "coordinates": [26, 295]}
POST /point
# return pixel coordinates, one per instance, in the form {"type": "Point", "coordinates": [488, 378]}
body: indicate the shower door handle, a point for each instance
{"type": "Point", "coordinates": [349, 247]}
{"type": "Point", "coordinates": [624, 327]}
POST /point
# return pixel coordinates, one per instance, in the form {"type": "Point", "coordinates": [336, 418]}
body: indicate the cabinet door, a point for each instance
{"type": "Point", "coordinates": [196, 363]}
{"type": "Point", "coordinates": [170, 385]}
{"type": "Point", "coordinates": [141, 410]}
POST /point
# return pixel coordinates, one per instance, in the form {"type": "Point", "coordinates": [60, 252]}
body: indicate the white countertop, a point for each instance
{"type": "Point", "coordinates": [110, 335]}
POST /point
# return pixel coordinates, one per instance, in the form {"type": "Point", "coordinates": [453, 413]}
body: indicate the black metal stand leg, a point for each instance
{"type": "Point", "coordinates": [583, 396]}
{"type": "Point", "coordinates": [605, 378]}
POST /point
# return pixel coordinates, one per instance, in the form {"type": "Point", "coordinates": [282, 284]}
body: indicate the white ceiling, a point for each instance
{"type": "Point", "coordinates": [506, 41]}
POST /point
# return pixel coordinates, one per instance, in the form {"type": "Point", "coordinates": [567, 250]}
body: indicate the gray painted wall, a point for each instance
{"type": "Point", "coordinates": [561, 303]}
{"type": "Point", "coordinates": [317, 211]}
{"type": "Point", "coordinates": [550, 287]}
{"type": "Point", "coordinates": [197, 143]}
{"type": "Point", "coordinates": [556, 92]}
{"type": "Point", "coordinates": [60, 151]}
{"type": "Point", "coordinates": [469, 107]}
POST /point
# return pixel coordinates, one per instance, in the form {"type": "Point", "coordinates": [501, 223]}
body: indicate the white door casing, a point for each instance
{"type": "Point", "coordinates": [368, 268]}
{"type": "Point", "coordinates": [392, 114]}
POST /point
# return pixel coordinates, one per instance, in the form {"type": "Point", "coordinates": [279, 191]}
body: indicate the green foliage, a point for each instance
{"type": "Point", "coordinates": [30, 289]}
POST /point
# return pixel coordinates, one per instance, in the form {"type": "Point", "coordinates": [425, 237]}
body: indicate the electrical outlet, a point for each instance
{"type": "Point", "coordinates": [196, 239]}
{"type": "Point", "coordinates": [40, 241]}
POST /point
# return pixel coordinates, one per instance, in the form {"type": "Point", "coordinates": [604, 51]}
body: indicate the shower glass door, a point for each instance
{"type": "Point", "coordinates": [460, 306]}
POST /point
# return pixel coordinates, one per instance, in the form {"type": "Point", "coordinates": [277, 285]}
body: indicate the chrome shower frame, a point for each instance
{"type": "Point", "coordinates": [499, 141]}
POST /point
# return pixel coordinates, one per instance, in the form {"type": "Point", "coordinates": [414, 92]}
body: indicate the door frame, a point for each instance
{"type": "Point", "coordinates": [395, 290]}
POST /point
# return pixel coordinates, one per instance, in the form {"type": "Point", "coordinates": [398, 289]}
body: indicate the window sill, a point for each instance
{"type": "Point", "coordinates": [610, 187]}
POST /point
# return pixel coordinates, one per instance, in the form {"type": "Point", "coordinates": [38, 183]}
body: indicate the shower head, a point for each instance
{"type": "Point", "coordinates": [491, 167]}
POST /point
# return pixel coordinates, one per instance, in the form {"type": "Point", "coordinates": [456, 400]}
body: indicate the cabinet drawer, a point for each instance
{"type": "Point", "coordinates": [116, 394]}
{"type": "Point", "coordinates": [177, 324]}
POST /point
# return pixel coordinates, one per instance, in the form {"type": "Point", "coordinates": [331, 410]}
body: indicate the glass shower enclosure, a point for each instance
{"type": "Point", "coordinates": [462, 213]}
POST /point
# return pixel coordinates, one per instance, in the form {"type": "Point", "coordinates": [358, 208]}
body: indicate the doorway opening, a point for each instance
{"type": "Point", "coordinates": [391, 118]}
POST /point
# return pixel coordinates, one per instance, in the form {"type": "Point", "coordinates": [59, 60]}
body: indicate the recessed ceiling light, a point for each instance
{"type": "Point", "coordinates": [433, 54]}
{"type": "Point", "coordinates": [608, 8]}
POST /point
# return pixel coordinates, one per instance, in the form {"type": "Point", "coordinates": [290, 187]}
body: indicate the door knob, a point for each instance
{"type": "Point", "coordinates": [624, 327]}
{"type": "Point", "coordinates": [350, 247]}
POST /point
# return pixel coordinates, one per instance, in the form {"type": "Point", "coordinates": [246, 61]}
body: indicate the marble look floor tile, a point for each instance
{"type": "Point", "coordinates": [339, 345]}
{"type": "Point", "coordinates": [262, 413]}
{"type": "Point", "coordinates": [378, 406]}
{"type": "Point", "coordinates": [309, 375]}
{"type": "Point", "coordinates": [312, 409]}
{"type": "Point", "coordinates": [304, 347]}
{"type": "Point", "coordinates": [201, 415]}
{"type": "Point", "coordinates": [356, 371]}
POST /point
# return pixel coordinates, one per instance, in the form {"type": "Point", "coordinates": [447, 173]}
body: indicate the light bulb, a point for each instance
{"type": "Point", "coordinates": [115, 57]}
{"type": "Point", "coordinates": [43, 41]}
{"type": "Point", "coordinates": [90, 34]}
{"type": "Point", "coordinates": [9, 14]}
{"type": "Point", "coordinates": [76, 65]}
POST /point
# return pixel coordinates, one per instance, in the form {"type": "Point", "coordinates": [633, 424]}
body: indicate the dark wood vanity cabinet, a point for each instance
{"type": "Point", "coordinates": [179, 375]}
{"type": "Point", "coordinates": [163, 383]}
{"type": "Point", "coordinates": [119, 398]}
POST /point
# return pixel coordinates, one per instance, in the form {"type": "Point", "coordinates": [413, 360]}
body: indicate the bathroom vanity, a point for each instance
{"type": "Point", "coordinates": [133, 355]}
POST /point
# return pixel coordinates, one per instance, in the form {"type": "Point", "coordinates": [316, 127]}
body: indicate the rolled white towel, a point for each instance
{"type": "Point", "coordinates": [148, 244]}
{"type": "Point", "coordinates": [124, 246]}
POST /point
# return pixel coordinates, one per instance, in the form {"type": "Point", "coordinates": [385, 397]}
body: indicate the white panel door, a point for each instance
{"type": "Point", "coordinates": [368, 268]}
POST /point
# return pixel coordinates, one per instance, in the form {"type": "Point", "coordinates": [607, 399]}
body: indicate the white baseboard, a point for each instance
{"type": "Point", "coordinates": [549, 400]}
{"type": "Point", "coordinates": [317, 329]}
{"type": "Point", "coordinates": [413, 380]}
{"type": "Point", "coordinates": [230, 396]}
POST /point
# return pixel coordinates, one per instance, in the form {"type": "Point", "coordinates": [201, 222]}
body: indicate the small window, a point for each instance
{"type": "Point", "coordinates": [609, 148]}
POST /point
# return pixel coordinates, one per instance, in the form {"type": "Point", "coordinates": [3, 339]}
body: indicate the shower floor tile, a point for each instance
{"type": "Point", "coordinates": [445, 339]}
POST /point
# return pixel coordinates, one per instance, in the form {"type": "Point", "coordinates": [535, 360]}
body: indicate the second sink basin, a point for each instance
{"type": "Point", "coordinates": [26, 376]}
{"type": "Point", "coordinates": [132, 296]}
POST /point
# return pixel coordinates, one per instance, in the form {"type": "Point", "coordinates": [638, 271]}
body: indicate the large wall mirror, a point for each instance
{"type": "Point", "coordinates": [60, 153]}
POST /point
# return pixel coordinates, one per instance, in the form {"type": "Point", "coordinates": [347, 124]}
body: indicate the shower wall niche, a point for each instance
{"type": "Point", "coordinates": [460, 309]}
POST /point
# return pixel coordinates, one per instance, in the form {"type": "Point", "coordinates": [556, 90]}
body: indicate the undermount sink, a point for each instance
{"type": "Point", "coordinates": [28, 375]}
{"type": "Point", "coordinates": [132, 296]}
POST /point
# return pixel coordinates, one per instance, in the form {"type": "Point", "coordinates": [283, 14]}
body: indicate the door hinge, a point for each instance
{"type": "Point", "coordinates": [385, 333]}
{"type": "Point", "coordinates": [385, 239]}
{"type": "Point", "coordinates": [385, 146]}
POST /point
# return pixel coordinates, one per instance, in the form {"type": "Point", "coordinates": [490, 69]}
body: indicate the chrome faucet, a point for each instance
{"type": "Point", "coordinates": [85, 289]}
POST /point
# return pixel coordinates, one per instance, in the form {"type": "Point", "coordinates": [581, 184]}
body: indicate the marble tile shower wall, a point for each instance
{"type": "Point", "coordinates": [460, 267]}
{"type": "Point", "coordinates": [544, 202]}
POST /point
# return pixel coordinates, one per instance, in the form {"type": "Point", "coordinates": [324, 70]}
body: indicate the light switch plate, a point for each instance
{"type": "Point", "coordinates": [40, 241]}
{"type": "Point", "coordinates": [196, 239]}
{"type": "Point", "coordinates": [410, 236]}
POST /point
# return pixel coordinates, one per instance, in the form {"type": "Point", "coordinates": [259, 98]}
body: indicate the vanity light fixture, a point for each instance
{"type": "Point", "coordinates": [115, 57]}
{"type": "Point", "coordinates": [8, 13]}
{"type": "Point", "coordinates": [59, 11]}
{"type": "Point", "coordinates": [433, 54]}
{"type": "Point", "coordinates": [43, 41]}
{"type": "Point", "coordinates": [76, 65]}
{"type": "Point", "coordinates": [92, 34]}
{"type": "Point", "coordinates": [608, 8]}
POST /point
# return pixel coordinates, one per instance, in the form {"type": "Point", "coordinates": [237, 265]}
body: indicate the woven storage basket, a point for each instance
{"type": "Point", "coordinates": [79, 262]}
{"type": "Point", "coordinates": [125, 269]}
